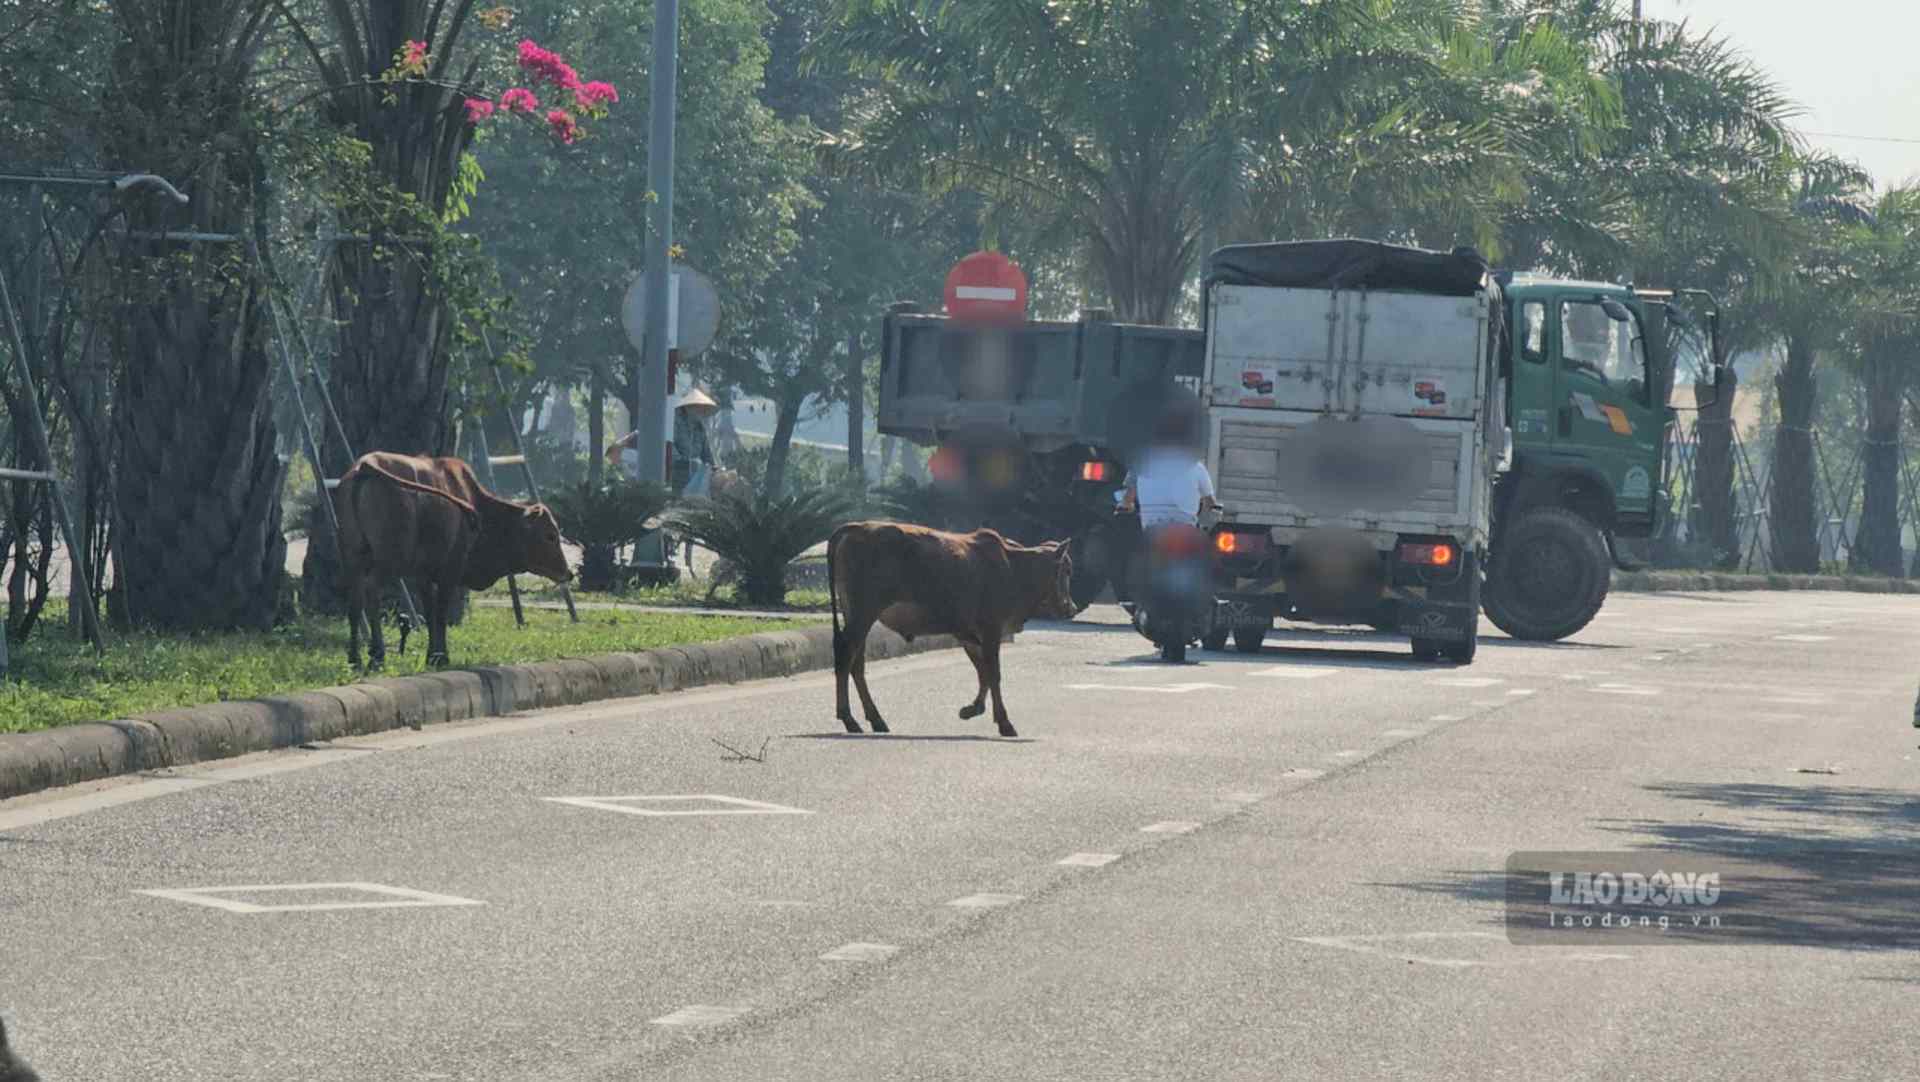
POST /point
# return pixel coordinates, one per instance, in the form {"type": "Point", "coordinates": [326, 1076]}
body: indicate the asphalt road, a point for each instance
{"type": "Point", "coordinates": [1288, 866]}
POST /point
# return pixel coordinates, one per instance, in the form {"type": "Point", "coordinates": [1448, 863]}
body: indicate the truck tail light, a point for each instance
{"type": "Point", "coordinates": [1093, 471]}
{"type": "Point", "coordinates": [1435, 554]}
{"type": "Point", "coordinates": [1239, 543]}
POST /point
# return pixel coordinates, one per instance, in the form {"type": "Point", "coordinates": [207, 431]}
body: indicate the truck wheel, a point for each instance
{"type": "Point", "coordinates": [1247, 640]}
{"type": "Point", "coordinates": [1215, 641]}
{"type": "Point", "coordinates": [1426, 649]}
{"type": "Point", "coordinates": [1549, 576]}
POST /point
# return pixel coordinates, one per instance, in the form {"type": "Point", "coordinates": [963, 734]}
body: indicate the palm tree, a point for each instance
{"type": "Point", "coordinates": [761, 533]}
{"type": "Point", "coordinates": [391, 276]}
{"type": "Point", "coordinates": [1128, 131]}
{"type": "Point", "coordinates": [197, 480]}
{"type": "Point", "coordinates": [1810, 310]}
{"type": "Point", "coordinates": [1885, 252]}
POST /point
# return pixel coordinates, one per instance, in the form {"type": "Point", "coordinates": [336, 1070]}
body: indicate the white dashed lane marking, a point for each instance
{"type": "Point", "coordinates": [984, 901]}
{"type": "Point", "coordinates": [1446, 717]}
{"type": "Point", "coordinates": [1166, 689]}
{"type": "Point", "coordinates": [1402, 734]}
{"type": "Point", "coordinates": [1089, 860]}
{"type": "Point", "coordinates": [1469, 682]}
{"type": "Point", "coordinates": [1624, 689]}
{"type": "Point", "coordinates": [1172, 826]}
{"type": "Point", "coordinates": [1520, 693]}
{"type": "Point", "coordinates": [1347, 754]}
{"type": "Point", "coordinates": [861, 952]}
{"type": "Point", "coordinates": [700, 1015]}
{"type": "Point", "coordinates": [1297, 672]}
{"type": "Point", "coordinates": [1803, 638]}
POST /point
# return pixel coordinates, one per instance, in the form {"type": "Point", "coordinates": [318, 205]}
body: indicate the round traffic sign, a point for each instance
{"type": "Point", "coordinates": [694, 312]}
{"type": "Point", "coordinates": [986, 287]}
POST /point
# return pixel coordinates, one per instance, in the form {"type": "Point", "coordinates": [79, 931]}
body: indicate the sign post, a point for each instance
{"type": "Point", "coordinates": [693, 319]}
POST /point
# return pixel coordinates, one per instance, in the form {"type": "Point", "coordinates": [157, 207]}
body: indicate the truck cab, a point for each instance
{"type": "Point", "coordinates": [1591, 368]}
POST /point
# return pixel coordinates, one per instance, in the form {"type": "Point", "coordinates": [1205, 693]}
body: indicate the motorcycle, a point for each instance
{"type": "Point", "coordinates": [1176, 608]}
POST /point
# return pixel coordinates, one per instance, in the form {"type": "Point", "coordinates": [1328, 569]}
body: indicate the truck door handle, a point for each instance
{"type": "Point", "coordinates": [1566, 420]}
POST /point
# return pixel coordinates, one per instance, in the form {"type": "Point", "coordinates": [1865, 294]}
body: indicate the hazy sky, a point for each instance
{"type": "Point", "coordinates": [1849, 64]}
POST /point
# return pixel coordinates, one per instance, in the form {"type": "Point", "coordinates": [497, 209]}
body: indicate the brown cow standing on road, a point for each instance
{"type": "Point", "coordinates": [978, 587]}
{"type": "Point", "coordinates": [428, 520]}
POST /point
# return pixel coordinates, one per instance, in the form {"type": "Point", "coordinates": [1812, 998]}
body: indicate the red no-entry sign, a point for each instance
{"type": "Point", "coordinates": [986, 287]}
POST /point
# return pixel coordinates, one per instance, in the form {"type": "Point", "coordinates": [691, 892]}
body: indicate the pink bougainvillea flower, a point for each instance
{"type": "Point", "coordinates": [595, 94]}
{"type": "Point", "coordinates": [545, 64]}
{"type": "Point", "coordinates": [478, 109]}
{"type": "Point", "coordinates": [416, 54]}
{"type": "Point", "coordinates": [519, 100]}
{"type": "Point", "coordinates": [563, 125]}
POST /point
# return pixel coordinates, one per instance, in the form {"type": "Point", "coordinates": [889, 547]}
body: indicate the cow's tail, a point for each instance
{"type": "Point", "coordinates": [833, 600]}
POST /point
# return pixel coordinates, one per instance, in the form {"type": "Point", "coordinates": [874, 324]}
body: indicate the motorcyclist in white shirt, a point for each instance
{"type": "Point", "coordinates": [1170, 484]}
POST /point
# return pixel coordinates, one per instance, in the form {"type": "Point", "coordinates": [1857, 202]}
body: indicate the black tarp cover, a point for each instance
{"type": "Point", "coordinates": [1349, 264]}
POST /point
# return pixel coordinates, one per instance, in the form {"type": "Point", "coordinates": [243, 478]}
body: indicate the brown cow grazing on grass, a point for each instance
{"type": "Point", "coordinates": [978, 587]}
{"type": "Point", "coordinates": [429, 521]}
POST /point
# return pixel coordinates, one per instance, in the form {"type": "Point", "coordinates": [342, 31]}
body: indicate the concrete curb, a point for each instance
{"type": "Point", "coordinates": [1643, 582]}
{"type": "Point", "coordinates": [31, 762]}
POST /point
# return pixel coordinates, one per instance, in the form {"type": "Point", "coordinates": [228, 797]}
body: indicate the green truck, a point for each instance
{"type": "Point", "coordinates": [1032, 428]}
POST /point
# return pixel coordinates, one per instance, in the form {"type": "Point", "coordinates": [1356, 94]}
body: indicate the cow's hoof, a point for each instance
{"type": "Point", "coordinates": [1007, 730]}
{"type": "Point", "coordinates": [972, 710]}
{"type": "Point", "coordinates": [878, 725]}
{"type": "Point", "coordinates": [438, 661]}
{"type": "Point", "coordinates": [852, 725]}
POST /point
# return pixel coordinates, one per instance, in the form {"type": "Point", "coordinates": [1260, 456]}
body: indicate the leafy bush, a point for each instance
{"type": "Point", "coordinates": [613, 514]}
{"type": "Point", "coordinates": [761, 536]}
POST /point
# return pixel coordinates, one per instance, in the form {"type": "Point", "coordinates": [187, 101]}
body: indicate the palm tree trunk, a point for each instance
{"type": "Point", "coordinates": [198, 474]}
{"type": "Point", "coordinates": [1796, 540]}
{"type": "Point", "coordinates": [788, 414]}
{"type": "Point", "coordinates": [198, 483]}
{"type": "Point", "coordinates": [1877, 548]}
{"type": "Point", "coordinates": [1713, 470]}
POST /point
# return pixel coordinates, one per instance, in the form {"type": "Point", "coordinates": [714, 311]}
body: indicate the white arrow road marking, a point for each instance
{"type": "Point", "coordinates": [1166, 689]}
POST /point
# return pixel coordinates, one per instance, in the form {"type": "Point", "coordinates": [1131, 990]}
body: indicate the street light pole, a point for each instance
{"type": "Point", "coordinates": [650, 381]}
